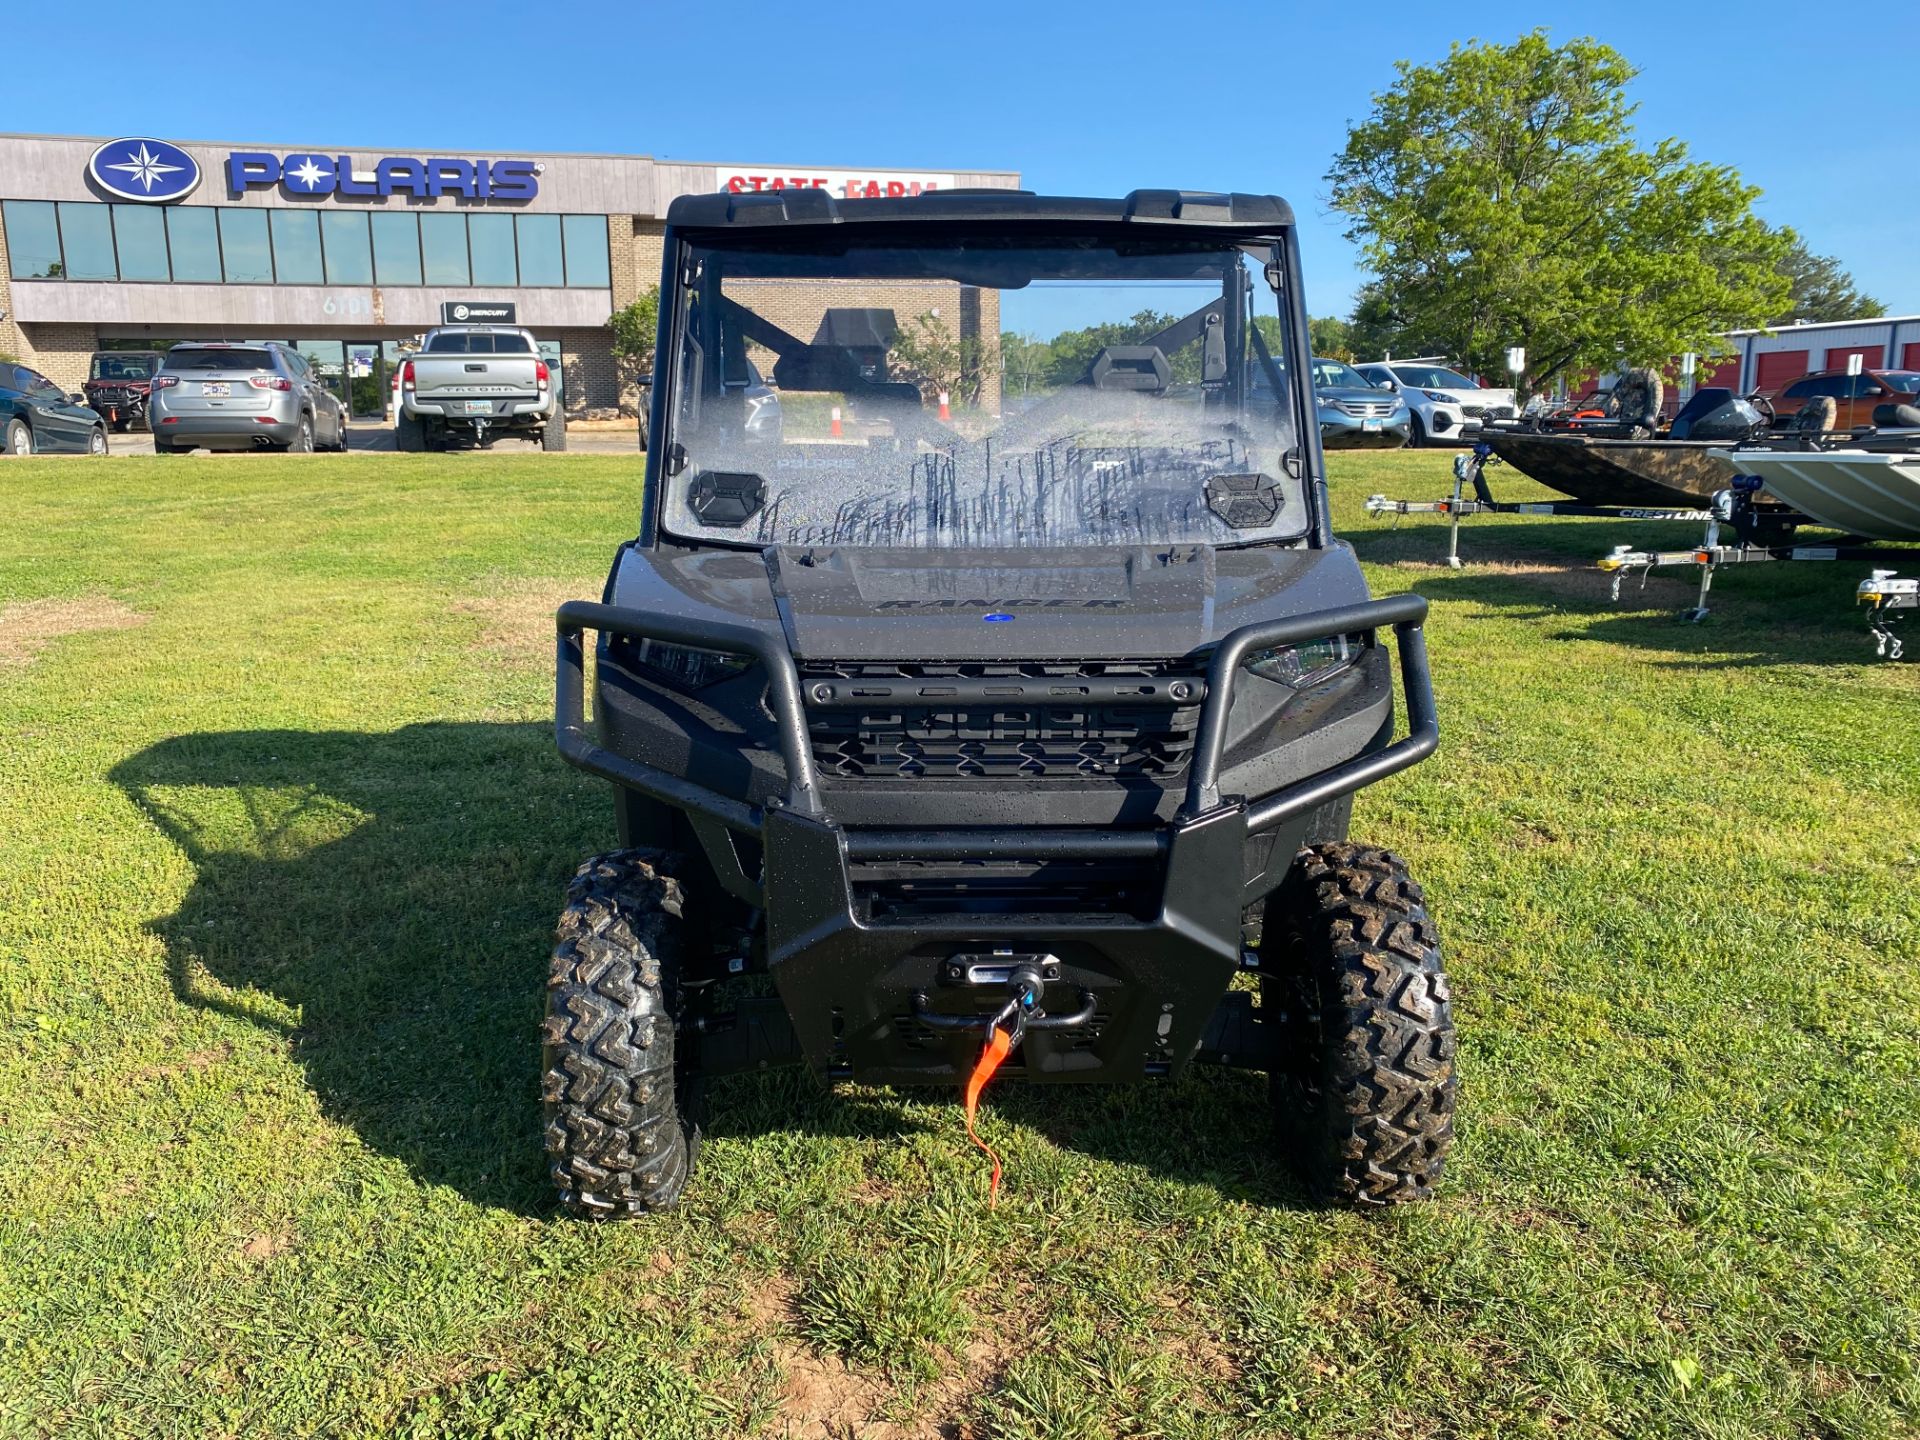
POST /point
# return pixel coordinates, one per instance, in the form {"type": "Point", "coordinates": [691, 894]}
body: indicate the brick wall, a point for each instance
{"type": "Point", "coordinates": [649, 245]}
{"type": "Point", "coordinates": [59, 352]}
{"type": "Point", "coordinates": [592, 381]}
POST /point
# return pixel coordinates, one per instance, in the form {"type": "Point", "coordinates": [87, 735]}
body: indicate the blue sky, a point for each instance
{"type": "Point", "coordinates": [1082, 99]}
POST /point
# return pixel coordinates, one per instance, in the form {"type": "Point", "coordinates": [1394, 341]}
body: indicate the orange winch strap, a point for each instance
{"type": "Point", "coordinates": [999, 1044]}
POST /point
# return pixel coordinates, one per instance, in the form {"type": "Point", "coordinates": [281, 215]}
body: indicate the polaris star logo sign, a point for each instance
{"type": "Point", "coordinates": [317, 176]}
{"type": "Point", "coordinates": [150, 171]}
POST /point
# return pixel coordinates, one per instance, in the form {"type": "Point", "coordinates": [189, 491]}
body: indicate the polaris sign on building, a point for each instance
{"type": "Point", "coordinates": [350, 255]}
{"type": "Point", "coordinates": [390, 175]}
{"type": "Point", "coordinates": [151, 172]}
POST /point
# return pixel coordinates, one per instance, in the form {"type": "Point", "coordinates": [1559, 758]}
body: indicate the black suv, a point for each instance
{"type": "Point", "coordinates": [996, 714]}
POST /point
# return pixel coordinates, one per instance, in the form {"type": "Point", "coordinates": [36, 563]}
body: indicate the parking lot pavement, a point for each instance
{"type": "Point", "coordinates": [376, 436]}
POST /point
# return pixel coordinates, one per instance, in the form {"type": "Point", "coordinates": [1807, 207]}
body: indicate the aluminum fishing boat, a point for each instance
{"type": "Point", "coordinates": [1870, 492]}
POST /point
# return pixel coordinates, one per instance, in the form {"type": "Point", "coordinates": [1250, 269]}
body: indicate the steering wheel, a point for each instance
{"type": "Point", "coordinates": [1765, 407]}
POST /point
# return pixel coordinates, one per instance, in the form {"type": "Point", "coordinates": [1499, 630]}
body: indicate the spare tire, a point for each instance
{"type": "Point", "coordinates": [1896, 417]}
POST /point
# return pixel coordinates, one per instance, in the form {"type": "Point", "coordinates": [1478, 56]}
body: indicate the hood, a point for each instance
{"type": "Point", "coordinates": [854, 603]}
{"type": "Point", "coordinates": [1366, 394]}
{"type": "Point", "coordinates": [1482, 397]}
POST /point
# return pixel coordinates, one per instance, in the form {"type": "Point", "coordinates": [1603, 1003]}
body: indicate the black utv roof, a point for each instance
{"type": "Point", "coordinates": [1198, 208]}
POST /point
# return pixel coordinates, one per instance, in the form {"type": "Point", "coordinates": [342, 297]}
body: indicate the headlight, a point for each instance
{"type": "Point", "coordinates": [687, 668]}
{"type": "Point", "coordinates": [1440, 395]}
{"type": "Point", "coordinates": [1306, 665]}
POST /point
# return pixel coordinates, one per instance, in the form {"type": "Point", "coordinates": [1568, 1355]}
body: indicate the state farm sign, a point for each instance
{"type": "Point", "coordinates": [846, 184]}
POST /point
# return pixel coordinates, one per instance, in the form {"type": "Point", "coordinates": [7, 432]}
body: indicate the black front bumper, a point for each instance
{"type": "Point", "coordinates": [119, 407]}
{"type": "Point", "coordinates": [849, 971]}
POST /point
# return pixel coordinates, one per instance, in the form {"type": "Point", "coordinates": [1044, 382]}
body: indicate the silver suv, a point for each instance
{"type": "Point", "coordinates": [249, 395]}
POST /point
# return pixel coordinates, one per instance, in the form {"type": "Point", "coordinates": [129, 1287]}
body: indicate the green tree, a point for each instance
{"type": "Point", "coordinates": [1331, 337]}
{"type": "Point", "coordinates": [1024, 362]}
{"type": "Point", "coordinates": [1376, 330]}
{"type": "Point", "coordinates": [1502, 199]}
{"type": "Point", "coordinates": [928, 352]}
{"type": "Point", "coordinates": [636, 328]}
{"type": "Point", "coordinates": [1821, 289]}
{"type": "Point", "coordinates": [1071, 352]}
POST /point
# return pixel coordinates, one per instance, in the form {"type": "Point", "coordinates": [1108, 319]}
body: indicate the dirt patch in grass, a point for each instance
{"type": "Point", "coordinates": [823, 1395]}
{"type": "Point", "coordinates": [516, 616]}
{"type": "Point", "coordinates": [28, 626]}
{"type": "Point", "coordinates": [191, 1063]}
{"type": "Point", "coordinates": [1567, 578]}
{"type": "Point", "coordinates": [263, 1246]}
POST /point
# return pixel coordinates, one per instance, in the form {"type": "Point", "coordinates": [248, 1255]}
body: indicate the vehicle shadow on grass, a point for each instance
{"type": "Point", "coordinates": [1765, 614]}
{"type": "Point", "coordinates": [385, 903]}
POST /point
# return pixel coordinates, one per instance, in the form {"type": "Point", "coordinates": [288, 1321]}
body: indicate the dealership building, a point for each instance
{"type": "Point", "coordinates": [349, 255]}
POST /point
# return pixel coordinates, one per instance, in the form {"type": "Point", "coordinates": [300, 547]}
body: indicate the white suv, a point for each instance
{"type": "Point", "coordinates": [1447, 406]}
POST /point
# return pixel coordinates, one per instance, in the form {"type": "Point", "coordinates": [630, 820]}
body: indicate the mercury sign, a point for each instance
{"type": "Point", "coordinates": [392, 175]}
{"type": "Point", "coordinates": [845, 184]}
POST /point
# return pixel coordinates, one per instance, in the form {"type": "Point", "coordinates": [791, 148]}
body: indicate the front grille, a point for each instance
{"type": "Point", "coordinates": [895, 890]}
{"type": "Point", "coordinates": [1363, 409]}
{"type": "Point", "coordinates": [988, 739]}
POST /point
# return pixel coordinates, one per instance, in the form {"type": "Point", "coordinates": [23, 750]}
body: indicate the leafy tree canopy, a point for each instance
{"type": "Point", "coordinates": [636, 328]}
{"type": "Point", "coordinates": [1502, 199]}
{"type": "Point", "coordinates": [928, 352]}
{"type": "Point", "coordinates": [1332, 338]}
{"type": "Point", "coordinates": [1064, 360]}
{"type": "Point", "coordinates": [1821, 289]}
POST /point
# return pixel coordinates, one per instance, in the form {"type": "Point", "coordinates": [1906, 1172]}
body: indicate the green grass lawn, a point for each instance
{"type": "Point", "coordinates": [282, 836]}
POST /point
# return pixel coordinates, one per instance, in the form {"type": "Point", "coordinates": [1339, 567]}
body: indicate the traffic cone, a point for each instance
{"type": "Point", "coordinates": [945, 413]}
{"type": "Point", "coordinates": [836, 422]}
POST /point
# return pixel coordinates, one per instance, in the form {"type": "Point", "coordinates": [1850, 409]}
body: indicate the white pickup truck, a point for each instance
{"type": "Point", "coordinates": [471, 384]}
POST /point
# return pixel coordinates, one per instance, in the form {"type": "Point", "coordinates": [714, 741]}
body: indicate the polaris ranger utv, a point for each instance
{"type": "Point", "coordinates": [1010, 734]}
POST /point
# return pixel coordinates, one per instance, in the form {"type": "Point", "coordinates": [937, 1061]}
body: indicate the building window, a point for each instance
{"type": "Point", "coordinates": [194, 243]}
{"type": "Point", "coordinates": [296, 247]}
{"type": "Point", "coordinates": [86, 235]}
{"type": "Point", "coordinates": [349, 255]}
{"type": "Point", "coordinates": [140, 237]}
{"type": "Point", "coordinates": [247, 257]}
{"type": "Point", "coordinates": [586, 237]}
{"type": "Point", "coordinates": [396, 249]}
{"type": "Point", "coordinates": [493, 251]}
{"type": "Point", "coordinates": [33, 240]}
{"type": "Point", "coordinates": [443, 248]}
{"type": "Point", "coordinates": [197, 244]}
{"type": "Point", "coordinates": [540, 261]}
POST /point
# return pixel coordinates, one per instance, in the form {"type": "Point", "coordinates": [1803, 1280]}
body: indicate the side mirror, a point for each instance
{"type": "Point", "coordinates": [76, 398]}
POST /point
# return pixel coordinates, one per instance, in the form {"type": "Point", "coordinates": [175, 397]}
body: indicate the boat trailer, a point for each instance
{"type": "Point", "coordinates": [1468, 468]}
{"type": "Point", "coordinates": [1886, 596]}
